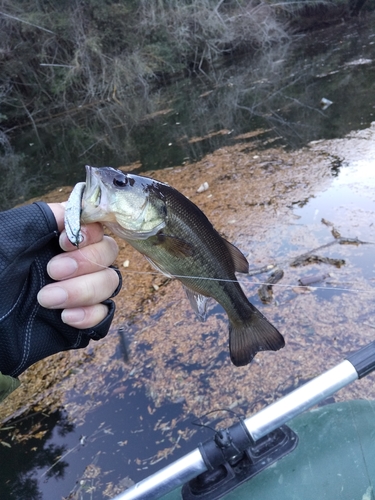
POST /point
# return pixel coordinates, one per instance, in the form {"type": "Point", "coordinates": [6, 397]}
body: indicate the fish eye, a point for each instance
{"type": "Point", "coordinates": [120, 181]}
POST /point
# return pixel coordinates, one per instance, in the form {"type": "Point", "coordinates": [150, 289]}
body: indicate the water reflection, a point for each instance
{"type": "Point", "coordinates": [48, 452]}
{"type": "Point", "coordinates": [279, 91]}
{"type": "Point", "coordinates": [29, 447]}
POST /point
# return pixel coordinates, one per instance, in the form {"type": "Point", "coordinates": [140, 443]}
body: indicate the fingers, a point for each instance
{"type": "Point", "coordinates": [81, 297]}
{"type": "Point", "coordinates": [92, 233]}
{"type": "Point", "coordinates": [84, 317]}
{"type": "Point", "coordinates": [80, 291]}
{"type": "Point", "coordinates": [95, 252]}
{"type": "Point", "coordinates": [86, 260]}
{"type": "Point", "coordinates": [58, 210]}
{"type": "Point", "coordinates": [83, 279]}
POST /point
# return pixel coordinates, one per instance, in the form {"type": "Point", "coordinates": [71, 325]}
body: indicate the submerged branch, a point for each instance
{"type": "Point", "coordinates": [265, 292]}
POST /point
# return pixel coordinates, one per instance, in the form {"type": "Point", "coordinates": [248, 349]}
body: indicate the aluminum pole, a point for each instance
{"type": "Point", "coordinates": [301, 399]}
{"type": "Point", "coordinates": [167, 479]}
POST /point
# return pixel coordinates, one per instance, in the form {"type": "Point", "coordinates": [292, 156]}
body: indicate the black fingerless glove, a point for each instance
{"type": "Point", "coordinates": [28, 331]}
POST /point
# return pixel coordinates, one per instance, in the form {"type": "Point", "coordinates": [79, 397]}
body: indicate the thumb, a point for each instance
{"type": "Point", "coordinates": [58, 210]}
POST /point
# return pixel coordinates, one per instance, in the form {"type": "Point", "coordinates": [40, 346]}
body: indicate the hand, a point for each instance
{"type": "Point", "coordinates": [83, 278]}
{"type": "Point", "coordinates": [39, 280]}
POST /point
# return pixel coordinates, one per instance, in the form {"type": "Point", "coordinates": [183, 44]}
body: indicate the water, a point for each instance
{"type": "Point", "coordinates": [128, 435]}
{"type": "Point", "coordinates": [119, 422]}
{"type": "Point", "coordinates": [279, 91]}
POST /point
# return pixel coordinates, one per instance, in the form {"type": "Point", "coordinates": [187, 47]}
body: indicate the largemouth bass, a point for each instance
{"type": "Point", "coordinates": [178, 240]}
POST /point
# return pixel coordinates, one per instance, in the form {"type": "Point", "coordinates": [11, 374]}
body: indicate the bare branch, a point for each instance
{"type": "Point", "coordinates": [26, 22]}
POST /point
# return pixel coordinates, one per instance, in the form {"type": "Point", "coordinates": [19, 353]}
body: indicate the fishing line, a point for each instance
{"type": "Point", "coordinates": [243, 281]}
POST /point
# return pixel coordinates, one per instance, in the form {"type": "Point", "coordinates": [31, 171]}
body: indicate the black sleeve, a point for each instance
{"type": "Point", "coordinates": [29, 332]}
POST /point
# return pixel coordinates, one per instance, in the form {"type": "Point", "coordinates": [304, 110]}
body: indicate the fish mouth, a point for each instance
{"type": "Point", "coordinates": [93, 191]}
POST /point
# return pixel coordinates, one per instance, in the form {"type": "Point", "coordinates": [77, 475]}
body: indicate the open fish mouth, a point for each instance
{"type": "Point", "coordinates": [84, 194]}
{"type": "Point", "coordinates": [88, 176]}
{"type": "Point", "coordinates": [93, 188]}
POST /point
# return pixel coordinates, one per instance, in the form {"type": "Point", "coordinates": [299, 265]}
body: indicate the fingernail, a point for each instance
{"type": "Point", "coordinates": [62, 267]}
{"type": "Point", "coordinates": [52, 297]}
{"type": "Point", "coordinates": [66, 244]}
{"type": "Point", "coordinates": [73, 316]}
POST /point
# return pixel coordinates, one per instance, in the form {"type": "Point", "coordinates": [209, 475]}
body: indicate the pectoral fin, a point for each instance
{"type": "Point", "coordinates": [174, 245]}
{"type": "Point", "coordinates": [239, 260]}
{"type": "Point", "coordinates": [198, 302]}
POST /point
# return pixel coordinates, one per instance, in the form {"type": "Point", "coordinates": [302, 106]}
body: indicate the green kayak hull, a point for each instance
{"type": "Point", "coordinates": [334, 459]}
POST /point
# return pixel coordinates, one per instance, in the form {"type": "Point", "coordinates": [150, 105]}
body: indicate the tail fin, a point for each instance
{"type": "Point", "coordinates": [248, 337]}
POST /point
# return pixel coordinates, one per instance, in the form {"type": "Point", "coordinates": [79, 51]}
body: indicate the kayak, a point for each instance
{"type": "Point", "coordinates": [334, 459]}
{"type": "Point", "coordinates": [283, 451]}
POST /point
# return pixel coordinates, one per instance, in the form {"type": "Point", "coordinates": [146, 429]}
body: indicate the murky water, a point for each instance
{"type": "Point", "coordinates": [119, 421]}
{"type": "Point", "coordinates": [279, 91]}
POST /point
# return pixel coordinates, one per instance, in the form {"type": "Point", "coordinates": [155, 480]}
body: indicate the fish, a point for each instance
{"type": "Point", "coordinates": [179, 241]}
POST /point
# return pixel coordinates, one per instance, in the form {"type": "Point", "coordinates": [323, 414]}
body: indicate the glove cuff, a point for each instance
{"type": "Point", "coordinates": [101, 329]}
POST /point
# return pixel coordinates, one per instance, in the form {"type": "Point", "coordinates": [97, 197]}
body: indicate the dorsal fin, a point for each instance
{"type": "Point", "coordinates": [239, 260]}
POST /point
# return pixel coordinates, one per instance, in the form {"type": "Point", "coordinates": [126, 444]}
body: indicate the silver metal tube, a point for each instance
{"type": "Point", "coordinates": [167, 479]}
{"type": "Point", "coordinates": [306, 396]}
{"type": "Point", "coordinates": [259, 425]}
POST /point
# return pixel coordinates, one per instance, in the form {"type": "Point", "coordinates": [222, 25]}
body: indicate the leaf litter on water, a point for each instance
{"type": "Point", "coordinates": [256, 200]}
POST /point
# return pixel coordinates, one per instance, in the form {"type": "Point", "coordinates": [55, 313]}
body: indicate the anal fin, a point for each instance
{"type": "Point", "coordinates": [198, 302]}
